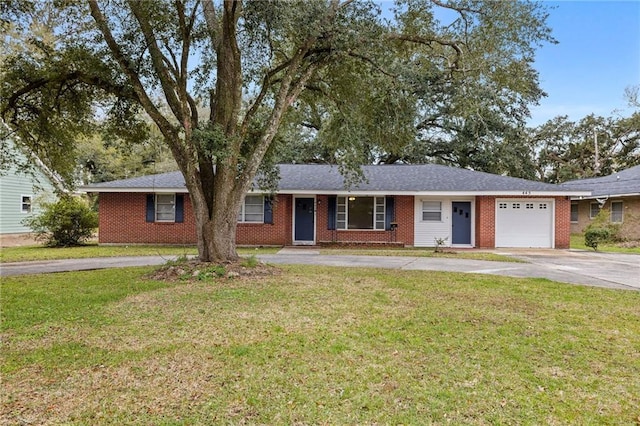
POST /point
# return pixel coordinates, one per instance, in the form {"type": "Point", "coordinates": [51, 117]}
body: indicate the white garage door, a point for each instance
{"type": "Point", "coordinates": [524, 223]}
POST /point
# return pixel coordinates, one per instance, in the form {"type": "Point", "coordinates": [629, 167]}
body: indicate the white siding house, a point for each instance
{"type": "Point", "coordinates": [437, 217]}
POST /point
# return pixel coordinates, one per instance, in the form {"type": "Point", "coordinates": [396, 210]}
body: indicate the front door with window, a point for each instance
{"type": "Point", "coordinates": [461, 222]}
{"type": "Point", "coordinates": [304, 212]}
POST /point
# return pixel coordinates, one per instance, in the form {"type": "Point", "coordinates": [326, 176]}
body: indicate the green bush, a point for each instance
{"type": "Point", "coordinates": [602, 230]}
{"type": "Point", "coordinates": [67, 222]}
{"type": "Point", "coordinates": [594, 235]}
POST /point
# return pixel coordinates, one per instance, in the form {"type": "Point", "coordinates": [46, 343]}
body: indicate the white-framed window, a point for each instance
{"type": "Point", "coordinates": [502, 205]}
{"type": "Point", "coordinates": [165, 207]}
{"type": "Point", "coordinates": [574, 212]}
{"type": "Point", "coordinates": [542, 206]}
{"type": "Point", "coordinates": [360, 213]}
{"type": "Point", "coordinates": [26, 203]}
{"type": "Point", "coordinates": [432, 211]}
{"type": "Point", "coordinates": [594, 209]}
{"type": "Point", "coordinates": [617, 211]}
{"type": "Point", "coordinates": [515, 205]}
{"type": "Point", "coordinates": [252, 209]}
{"type": "Point", "coordinates": [529, 206]}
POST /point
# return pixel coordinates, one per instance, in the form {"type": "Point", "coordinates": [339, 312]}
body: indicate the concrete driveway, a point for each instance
{"type": "Point", "coordinates": [618, 271]}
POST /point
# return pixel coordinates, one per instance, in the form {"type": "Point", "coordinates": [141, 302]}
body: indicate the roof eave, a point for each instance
{"type": "Point", "coordinates": [593, 197]}
{"type": "Point", "coordinates": [520, 193]}
{"type": "Point", "coordinates": [93, 189]}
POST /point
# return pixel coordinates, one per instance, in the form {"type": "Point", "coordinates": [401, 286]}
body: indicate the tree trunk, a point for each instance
{"type": "Point", "coordinates": [216, 232]}
{"type": "Point", "coordinates": [216, 206]}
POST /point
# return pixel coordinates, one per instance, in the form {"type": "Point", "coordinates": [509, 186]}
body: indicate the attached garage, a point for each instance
{"type": "Point", "coordinates": [525, 223]}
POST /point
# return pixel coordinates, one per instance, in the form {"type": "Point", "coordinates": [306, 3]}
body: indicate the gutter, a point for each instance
{"type": "Point", "coordinates": [183, 190]}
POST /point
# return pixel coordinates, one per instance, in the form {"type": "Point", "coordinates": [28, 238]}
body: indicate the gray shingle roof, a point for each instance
{"type": "Point", "coordinates": [391, 178]}
{"type": "Point", "coordinates": [169, 180]}
{"type": "Point", "coordinates": [625, 182]}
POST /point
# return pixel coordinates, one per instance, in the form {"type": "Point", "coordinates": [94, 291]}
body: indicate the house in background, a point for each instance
{"type": "Point", "coordinates": [407, 205]}
{"type": "Point", "coordinates": [22, 190]}
{"type": "Point", "coordinates": [618, 193]}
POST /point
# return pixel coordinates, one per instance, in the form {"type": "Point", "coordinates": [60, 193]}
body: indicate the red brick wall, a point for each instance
{"type": "Point", "coordinates": [486, 219]}
{"type": "Point", "coordinates": [485, 222]}
{"type": "Point", "coordinates": [403, 216]}
{"type": "Point", "coordinates": [563, 223]}
{"type": "Point", "coordinates": [276, 234]}
{"type": "Point", "coordinates": [123, 221]}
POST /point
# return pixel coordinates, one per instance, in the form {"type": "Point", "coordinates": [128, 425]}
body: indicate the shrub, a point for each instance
{"type": "Point", "coordinates": [67, 222]}
{"type": "Point", "coordinates": [594, 235]}
{"type": "Point", "coordinates": [602, 221]}
{"type": "Point", "coordinates": [439, 243]}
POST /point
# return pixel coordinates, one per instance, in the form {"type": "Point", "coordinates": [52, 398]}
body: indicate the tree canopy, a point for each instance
{"type": "Point", "coordinates": [592, 146]}
{"type": "Point", "coordinates": [227, 83]}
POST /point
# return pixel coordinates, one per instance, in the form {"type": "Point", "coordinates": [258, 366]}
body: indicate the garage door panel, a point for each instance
{"type": "Point", "coordinates": [524, 223]}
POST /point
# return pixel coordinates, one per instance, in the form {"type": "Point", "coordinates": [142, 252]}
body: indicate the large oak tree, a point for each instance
{"type": "Point", "coordinates": [220, 80]}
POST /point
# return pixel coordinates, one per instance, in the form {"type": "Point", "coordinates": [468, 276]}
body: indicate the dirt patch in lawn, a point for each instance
{"type": "Point", "coordinates": [194, 270]}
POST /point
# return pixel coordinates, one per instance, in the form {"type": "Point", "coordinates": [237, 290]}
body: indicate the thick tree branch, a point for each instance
{"type": "Point", "coordinates": [213, 26]}
{"type": "Point", "coordinates": [267, 83]}
{"type": "Point", "coordinates": [158, 59]}
{"type": "Point", "coordinates": [70, 77]}
{"type": "Point", "coordinates": [180, 152]}
{"type": "Point", "coordinates": [429, 41]}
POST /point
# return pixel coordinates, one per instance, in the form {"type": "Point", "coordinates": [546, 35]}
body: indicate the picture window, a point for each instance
{"type": "Point", "coordinates": [360, 213]}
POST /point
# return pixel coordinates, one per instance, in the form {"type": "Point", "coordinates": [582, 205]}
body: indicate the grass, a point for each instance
{"type": "Point", "coordinates": [317, 345]}
{"type": "Point", "coordinates": [423, 252]}
{"type": "Point", "coordinates": [34, 253]}
{"type": "Point", "coordinates": [38, 252]}
{"type": "Point", "coordinates": [577, 242]}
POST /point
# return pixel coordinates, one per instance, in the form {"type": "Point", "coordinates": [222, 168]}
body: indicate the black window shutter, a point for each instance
{"type": "Point", "coordinates": [268, 210]}
{"type": "Point", "coordinates": [390, 213]}
{"type": "Point", "coordinates": [331, 213]}
{"type": "Point", "coordinates": [151, 208]}
{"type": "Point", "coordinates": [179, 208]}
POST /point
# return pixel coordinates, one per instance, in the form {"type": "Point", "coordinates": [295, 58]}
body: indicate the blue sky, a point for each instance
{"type": "Point", "coordinates": [598, 55]}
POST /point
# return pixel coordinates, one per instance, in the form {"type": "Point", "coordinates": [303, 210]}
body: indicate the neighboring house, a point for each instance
{"type": "Point", "coordinates": [618, 193]}
{"type": "Point", "coordinates": [23, 191]}
{"type": "Point", "coordinates": [409, 205]}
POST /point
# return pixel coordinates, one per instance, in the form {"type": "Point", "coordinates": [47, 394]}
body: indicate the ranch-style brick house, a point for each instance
{"type": "Point", "coordinates": [617, 193]}
{"type": "Point", "coordinates": [408, 205]}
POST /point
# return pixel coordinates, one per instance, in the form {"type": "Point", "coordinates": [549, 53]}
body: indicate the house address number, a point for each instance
{"type": "Point", "coordinates": [526, 192]}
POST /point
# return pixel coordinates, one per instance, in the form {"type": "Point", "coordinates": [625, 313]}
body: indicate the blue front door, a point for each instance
{"type": "Point", "coordinates": [461, 222]}
{"type": "Point", "coordinates": [304, 214]}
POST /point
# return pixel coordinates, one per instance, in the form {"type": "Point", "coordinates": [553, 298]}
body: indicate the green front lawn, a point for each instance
{"type": "Point", "coordinates": [317, 345]}
{"type": "Point", "coordinates": [32, 253]}
{"type": "Point", "coordinates": [36, 253]}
